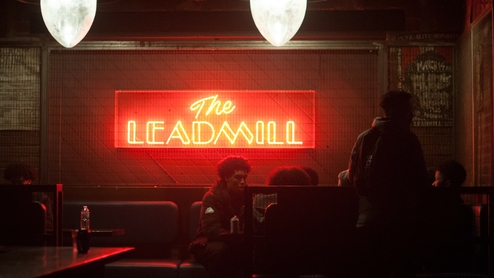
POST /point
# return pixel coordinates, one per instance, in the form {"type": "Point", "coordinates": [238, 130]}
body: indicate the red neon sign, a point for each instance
{"type": "Point", "coordinates": [214, 119]}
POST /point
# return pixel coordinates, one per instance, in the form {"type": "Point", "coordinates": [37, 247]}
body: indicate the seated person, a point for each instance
{"type": "Point", "coordinates": [25, 220]}
{"type": "Point", "coordinates": [21, 174]}
{"type": "Point", "coordinates": [271, 256]}
{"type": "Point", "coordinates": [314, 177]}
{"type": "Point", "coordinates": [223, 201]}
{"type": "Point", "coordinates": [449, 224]}
{"type": "Point", "coordinates": [285, 175]}
{"type": "Point", "coordinates": [450, 174]}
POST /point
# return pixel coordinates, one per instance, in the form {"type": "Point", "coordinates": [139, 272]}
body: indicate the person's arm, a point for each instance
{"type": "Point", "coordinates": [354, 160]}
{"type": "Point", "coordinates": [210, 219]}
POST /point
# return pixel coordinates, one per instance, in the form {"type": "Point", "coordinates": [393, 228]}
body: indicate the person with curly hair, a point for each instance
{"type": "Point", "coordinates": [279, 176]}
{"type": "Point", "coordinates": [224, 200]}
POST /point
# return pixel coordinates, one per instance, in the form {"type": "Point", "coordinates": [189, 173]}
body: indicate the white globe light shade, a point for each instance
{"type": "Point", "coordinates": [68, 20]}
{"type": "Point", "coordinates": [278, 20]}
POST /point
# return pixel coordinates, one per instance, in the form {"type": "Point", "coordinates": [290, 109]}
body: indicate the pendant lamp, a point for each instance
{"type": "Point", "coordinates": [68, 20]}
{"type": "Point", "coordinates": [278, 20]}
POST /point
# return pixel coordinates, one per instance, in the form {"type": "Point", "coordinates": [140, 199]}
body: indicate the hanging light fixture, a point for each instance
{"type": "Point", "coordinates": [68, 20]}
{"type": "Point", "coordinates": [278, 20]}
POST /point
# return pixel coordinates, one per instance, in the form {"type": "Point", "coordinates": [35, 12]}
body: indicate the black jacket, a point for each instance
{"type": "Point", "coordinates": [217, 210]}
{"type": "Point", "coordinates": [398, 173]}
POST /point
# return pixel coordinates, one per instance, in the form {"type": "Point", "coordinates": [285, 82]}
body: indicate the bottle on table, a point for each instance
{"type": "Point", "coordinates": [234, 225]}
{"type": "Point", "coordinates": [83, 233]}
{"type": "Point", "coordinates": [85, 218]}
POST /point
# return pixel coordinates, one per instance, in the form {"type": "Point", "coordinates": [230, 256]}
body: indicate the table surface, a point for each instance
{"type": "Point", "coordinates": [54, 261]}
{"type": "Point", "coordinates": [99, 232]}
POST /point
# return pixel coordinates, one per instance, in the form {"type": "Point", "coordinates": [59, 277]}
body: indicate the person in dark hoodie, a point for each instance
{"type": "Point", "coordinates": [223, 201]}
{"type": "Point", "coordinates": [388, 170]}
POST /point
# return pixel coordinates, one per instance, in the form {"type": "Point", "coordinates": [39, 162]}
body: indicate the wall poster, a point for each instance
{"type": "Point", "coordinates": [427, 73]}
{"type": "Point", "coordinates": [19, 88]}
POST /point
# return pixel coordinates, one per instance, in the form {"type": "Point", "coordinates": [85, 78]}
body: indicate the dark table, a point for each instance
{"type": "Point", "coordinates": [98, 232]}
{"type": "Point", "coordinates": [50, 261]}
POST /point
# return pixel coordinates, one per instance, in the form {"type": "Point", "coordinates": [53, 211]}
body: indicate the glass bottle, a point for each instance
{"type": "Point", "coordinates": [85, 218]}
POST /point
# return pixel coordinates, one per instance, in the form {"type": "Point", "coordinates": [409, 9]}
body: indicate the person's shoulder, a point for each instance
{"type": "Point", "coordinates": [209, 195]}
{"type": "Point", "coordinates": [365, 132]}
{"type": "Point", "coordinates": [214, 191]}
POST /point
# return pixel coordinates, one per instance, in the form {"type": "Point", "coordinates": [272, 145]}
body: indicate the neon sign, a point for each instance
{"type": "Point", "coordinates": [214, 119]}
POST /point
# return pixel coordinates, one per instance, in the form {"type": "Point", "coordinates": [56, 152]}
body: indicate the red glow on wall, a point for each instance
{"type": "Point", "coordinates": [215, 119]}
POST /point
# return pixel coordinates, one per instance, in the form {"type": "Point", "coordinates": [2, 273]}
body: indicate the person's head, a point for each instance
{"type": "Point", "coordinates": [234, 170]}
{"type": "Point", "coordinates": [288, 175]}
{"type": "Point", "coordinates": [19, 173]}
{"type": "Point", "coordinates": [314, 177]}
{"type": "Point", "coordinates": [450, 174]}
{"type": "Point", "coordinates": [398, 105]}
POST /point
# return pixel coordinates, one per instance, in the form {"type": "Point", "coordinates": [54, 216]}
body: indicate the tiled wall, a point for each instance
{"type": "Point", "coordinates": [82, 105]}
{"type": "Point", "coordinates": [20, 85]}
{"type": "Point", "coordinates": [81, 111]}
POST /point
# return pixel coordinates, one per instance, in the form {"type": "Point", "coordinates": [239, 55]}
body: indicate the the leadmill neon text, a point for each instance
{"type": "Point", "coordinates": [262, 133]}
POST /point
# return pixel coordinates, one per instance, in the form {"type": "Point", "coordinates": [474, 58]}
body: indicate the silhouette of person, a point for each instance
{"type": "Point", "coordinates": [314, 177]}
{"type": "Point", "coordinates": [274, 256]}
{"type": "Point", "coordinates": [448, 230]}
{"type": "Point", "coordinates": [387, 168]}
{"type": "Point", "coordinates": [22, 174]}
{"type": "Point", "coordinates": [283, 175]}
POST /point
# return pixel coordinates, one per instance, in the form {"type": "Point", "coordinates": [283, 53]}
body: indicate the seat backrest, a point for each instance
{"type": "Point", "coordinates": [318, 219]}
{"type": "Point", "coordinates": [194, 214]}
{"type": "Point", "coordinates": [23, 221]}
{"type": "Point", "coordinates": [150, 226]}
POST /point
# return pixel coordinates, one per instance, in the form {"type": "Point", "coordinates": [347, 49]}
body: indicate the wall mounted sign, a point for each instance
{"type": "Point", "coordinates": [430, 78]}
{"type": "Point", "coordinates": [215, 119]}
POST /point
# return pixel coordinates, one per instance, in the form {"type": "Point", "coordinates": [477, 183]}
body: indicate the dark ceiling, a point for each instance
{"type": "Point", "coordinates": [155, 18]}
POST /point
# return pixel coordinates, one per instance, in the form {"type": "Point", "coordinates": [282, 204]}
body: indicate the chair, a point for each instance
{"type": "Point", "coordinates": [23, 221]}
{"type": "Point", "coordinates": [309, 231]}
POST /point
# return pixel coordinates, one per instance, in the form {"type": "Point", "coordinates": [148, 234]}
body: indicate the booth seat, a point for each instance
{"type": "Point", "coordinates": [189, 268]}
{"type": "Point", "coordinates": [150, 226]}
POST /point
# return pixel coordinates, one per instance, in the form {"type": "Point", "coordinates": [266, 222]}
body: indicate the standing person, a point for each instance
{"type": "Point", "coordinates": [224, 200]}
{"type": "Point", "coordinates": [387, 168]}
{"type": "Point", "coordinates": [22, 174]}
